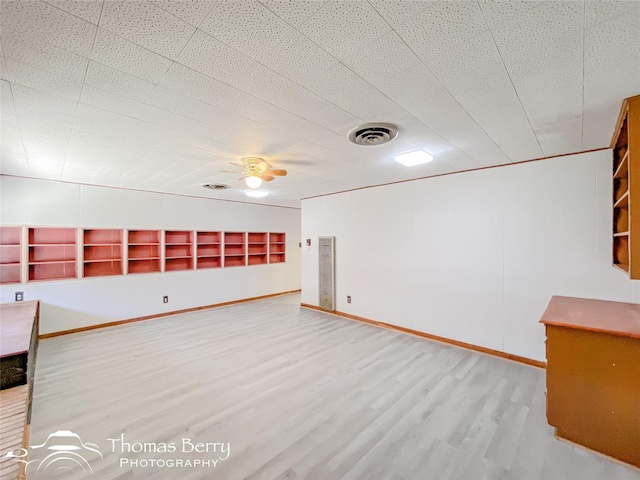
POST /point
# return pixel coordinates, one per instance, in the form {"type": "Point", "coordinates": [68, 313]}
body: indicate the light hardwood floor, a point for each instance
{"type": "Point", "coordinates": [301, 394]}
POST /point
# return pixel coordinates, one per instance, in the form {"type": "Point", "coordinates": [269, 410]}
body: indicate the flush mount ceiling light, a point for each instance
{"type": "Point", "coordinates": [253, 182]}
{"type": "Point", "coordinates": [373, 134]}
{"type": "Point", "coordinates": [256, 194]}
{"type": "Point", "coordinates": [417, 157]}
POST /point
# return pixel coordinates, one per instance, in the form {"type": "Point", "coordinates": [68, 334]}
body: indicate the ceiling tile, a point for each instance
{"type": "Point", "coordinates": [294, 13]}
{"type": "Point", "coordinates": [442, 26]}
{"type": "Point", "coordinates": [146, 25]}
{"type": "Point", "coordinates": [43, 99]}
{"type": "Point", "coordinates": [192, 11]}
{"type": "Point", "coordinates": [44, 56]}
{"type": "Point", "coordinates": [89, 11]}
{"type": "Point", "coordinates": [175, 102]}
{"type": "Point", "coordinates": [611, 72]}
{"type": "Point", "coordinates": [6, 98]}
{"type": "Point", "coordinates": [398, 14]}
{"type": "Point", "coordinates": [17, 72]}
{"type": "Point", "coordinates": [246, 26]}
{"type": "Point", "coordinates": [114, 81]}
{"type": "Point", "coordinates": [50, 116]}
{"type": "Point", "coordinates": [109, 101]}
{"type": "Point", "coordinates": [344, 28]}
{"type": "Point", "coordinates": [392, 56]}
{"type": "Point", "coordinates": [48, 24]}
{"type": "Point", "coordinates": [605, 10]}
{"type": "Point", "coordinates": [210, 56]}
{"type": "Point", "coordinates": [123, 55]}
{"type": "Point", "coordinates": [299, 59]}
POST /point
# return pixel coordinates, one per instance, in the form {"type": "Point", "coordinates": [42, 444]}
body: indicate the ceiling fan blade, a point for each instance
{"type": "Point", "coordinates": [280, 172]}
{"type": "Point", "coordinates": [266, 178]}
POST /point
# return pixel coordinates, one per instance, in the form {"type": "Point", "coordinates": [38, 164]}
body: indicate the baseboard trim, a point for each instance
{"type": "Point", "coordinates": [158, 315]}
{"type": "Point", "coordinates": [469, 346]}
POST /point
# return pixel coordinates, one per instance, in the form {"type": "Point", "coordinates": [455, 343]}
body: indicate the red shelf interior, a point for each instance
{"type": "Point", "coordinates": [208, 237]}
{"type": "Point", "coordinates": [52, 271]}
{"type": "Point", "coordinates": [10, 253]}
{"type": "Point", "coordinates": [144, 265]}
{"type": "Point", "coordinates": [234, 238]}
{"type": "Point", "coordinates": [144, 251]}
{"type": "Point", "coordinates": [234, 250]}
{"type": "Point", "coordinates": [209, 262]}
{"type": "Point", "coordinates": [276, 238]}
{"type": "Point", "coordinates": [208, 250]}
{"type": "Point", "coordinates": [173, 264]}
{"type": "Point", "coordinates": [177, 251]}
{"type": "Point", "coordinates": [257, 249]}
{"type": "Point", "coordinates": [234, 261]}
{"type": "Point", "coordinates": [10, 235]}
{"type": "Point", "coordinates": [103, 236]}
{"type": "Point", "coordinates": [182, 236]}
{"type": "Point", "coordinates": [144, 236]}
{"type": "Point", "coordinates": [102, 252]}
{"type": "Point", "coordinates": [52, 236]}
{"type": "Point", "coordinates": [10, 273]}
{"type": "Point", "coordinates": [276, 258]}
{"type": "Point", "coordinates": [103, 268]}
{"type": "Point", "coordinates": [253, 237]}
{"type": "Point", "coordinates": [257, 259]}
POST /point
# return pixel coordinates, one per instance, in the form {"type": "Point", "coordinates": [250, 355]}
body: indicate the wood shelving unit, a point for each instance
{"type": "Point", "coordinates": [257, 248]}
{"type": "Point", "coordinates": [277, 247]}
{"type": "Point", "coordinates": [102, 252]}
{"type": "Point", "coordinates": [208, 250]}
{"type": "Point", "coordinates": [52, 253]}
{"type": "Point", "coordinates": [178, 250]}
{"type": "Point", "coordinates": [10, 255]}
{"type": "Point", "coordinates": [144, 251]}
{"type": "Point", "coordinates": [626, 189]}
{"type": "Point", "coordinates": [235, 249]}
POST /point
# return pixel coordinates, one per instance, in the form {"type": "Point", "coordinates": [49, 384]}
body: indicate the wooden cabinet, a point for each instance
{"type": "Point", "coordinates": [10, 255]}
{"type": "Point", "coordinates": [144, 251]}
{"type": "Point", "coordinates": [102, 252]}
{"type": "Point", "coordinates": [52, 253]}
{"type": "Point", "coordinates": [626, 189]}
{"type": "Point", "coordinates": [178, 250]}
{"type": "Point", "coordinates": [593, 374]}
{"type": "Point", "coordinates": [276, 247]}
{"type": "Point", "coordinates": [235, 251]}
{"type": "Point", "coordinates": [209, 250]}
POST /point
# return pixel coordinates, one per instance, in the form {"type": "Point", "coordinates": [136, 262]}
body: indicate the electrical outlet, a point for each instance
{"type": "Point", "coordinates": [19, 296]}
{"type": "Point", "coordinates": [165, 299]}
{"type": "Point", "coordinates": [348, 298]}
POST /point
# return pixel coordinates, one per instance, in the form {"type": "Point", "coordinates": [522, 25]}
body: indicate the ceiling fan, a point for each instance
{"type": "Point", "coordinates": [255, 170]}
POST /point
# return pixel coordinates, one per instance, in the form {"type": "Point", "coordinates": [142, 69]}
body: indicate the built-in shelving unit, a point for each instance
{"type": "Point", "coordinates": [277, 247]}
{"type": "Point", "coordinates": [178, 250]}
{"type": "Point", "coordinates": [144, 251]}
{"type": "Point", "coordinates": [626, 187]}
{"type": "Point", "coordinates": [102, 252]}
{"type": "Point", "coordinates": [10, 255]}
{"type": "Point", "coordinates": [257, 248]}
{"type": "Point", "coordinates": [52, 253]}
{"type": "Point", "coordinates": [235, 249]}
{"type": "Point", "coordinates": [208, 250]}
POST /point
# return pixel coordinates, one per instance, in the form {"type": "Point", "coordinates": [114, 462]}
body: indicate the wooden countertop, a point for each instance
{"type": "Point", "coordinates": [16, 322]}
{"type": "Point", "coordinates": [616, 318]}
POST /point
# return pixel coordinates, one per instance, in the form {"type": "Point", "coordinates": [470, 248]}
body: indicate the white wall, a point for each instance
{"type": "Point", "coordinates": [68, 304]}
{"type": "Point", "coordinates": [475, 256]}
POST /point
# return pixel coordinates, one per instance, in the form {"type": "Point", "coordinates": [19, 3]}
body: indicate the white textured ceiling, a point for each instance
{"type": "Point", "coordinates": [159, 95]}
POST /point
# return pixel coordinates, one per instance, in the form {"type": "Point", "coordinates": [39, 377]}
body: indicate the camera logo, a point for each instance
{"type": "Point", "coordinates": [62, 453]}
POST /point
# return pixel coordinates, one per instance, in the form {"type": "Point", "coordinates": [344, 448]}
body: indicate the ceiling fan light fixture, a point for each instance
{"type": "Point", "coordinates": [410, 159]}
{"type": "Point", "coordinates": [253, 181]}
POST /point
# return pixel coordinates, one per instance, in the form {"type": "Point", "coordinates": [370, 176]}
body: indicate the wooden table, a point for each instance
{"type": "Point", "coordinates": [593, 374]}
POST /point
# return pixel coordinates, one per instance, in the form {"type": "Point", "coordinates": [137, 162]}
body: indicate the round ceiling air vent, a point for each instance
{"type": "Point", "coordinates": [373, 134]}
{"type": "Point", "coordinates": [216, 186]}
